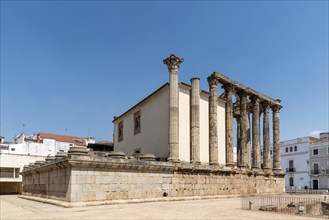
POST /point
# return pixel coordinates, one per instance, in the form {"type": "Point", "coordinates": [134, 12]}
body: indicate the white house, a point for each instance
{"type": "Point", "coordinates": [144, 127]}
{"type": "Point", "coordinates": [319, 162]}
{"type": "Point", "coordinates": [28, 149]}
{"type": "Point", "coordinates": [295, 161]}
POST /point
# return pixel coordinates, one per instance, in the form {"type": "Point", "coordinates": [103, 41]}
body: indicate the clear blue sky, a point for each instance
{"type": "Point", "coordinates": [68, 67]}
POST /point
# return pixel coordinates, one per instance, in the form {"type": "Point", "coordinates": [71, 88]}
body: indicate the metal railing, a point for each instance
{"type": "Point", "coordinates": [300, 190]}
{"type": "Point", "coordinates": [315, 172]}
{"type": "Point", "coordinates": [290, 169]}
{"type": "Point", "coordinates": [285, 204]}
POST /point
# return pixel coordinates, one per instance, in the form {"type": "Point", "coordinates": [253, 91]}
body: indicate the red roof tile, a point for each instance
{"type": "Point", "coordinates": [63, 138]}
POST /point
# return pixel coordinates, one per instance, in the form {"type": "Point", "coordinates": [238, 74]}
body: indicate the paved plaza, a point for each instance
{"type": "Point", "coordinates": [13, 207]}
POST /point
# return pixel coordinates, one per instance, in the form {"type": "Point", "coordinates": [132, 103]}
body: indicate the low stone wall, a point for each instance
{"type": "Point", "coordinates": [90, 178]}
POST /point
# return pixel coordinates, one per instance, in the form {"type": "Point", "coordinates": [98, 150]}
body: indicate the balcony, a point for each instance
{"type": "Point", "coordinates": [290, 169]}
{"type": "Point", "coordinates": [327, 171]}
{"type": "Point", "coordinates": [315, 172]}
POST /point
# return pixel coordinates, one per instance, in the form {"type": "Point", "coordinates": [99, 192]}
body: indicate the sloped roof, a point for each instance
{"type": "Point", "coordinates": [63, 138]}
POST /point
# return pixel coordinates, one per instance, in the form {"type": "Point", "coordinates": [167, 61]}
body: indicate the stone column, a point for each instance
{"type": "Point", "coordinates": [276, 139]}
{"type": "Point", "coordinates": [173, 63]}
{"type": "Point", "coordinates": [243, 127]}
{"type": "Point", "coordinates": [195, 121]}
{"type": "Point", "coordinates": [255, 134]}
{"type": "Point", "coordinates": [229, 125]}
{"type": "Point", "coordinates": [266, 136]}
{"type": "Point", "coordinates": [248, 141]}
{"type": "Point", "coordinates": [213, 141]}
{"type": "Point", "coordinates": [238, 145]}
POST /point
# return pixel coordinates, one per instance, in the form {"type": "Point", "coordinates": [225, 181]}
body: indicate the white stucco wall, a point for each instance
{"type": "Point", "coordinates": [184, 124]}
{"type": "Point", "coordinates": [17, 161]}
{"type": "Point", "coordinates": [301, 161]}
{"type": "Point", "coordinates": [221, 132]}
{"type": "Point", "coordinates": [153, 137]}
{"type": "Point", "coordinates": [155, 121]}
{"type": "Point", "coordinates": [48, 147]}
{"type": "Point", "coordinates": [204, 128]}
{"type": "Point", "coordinates": [184, 127]}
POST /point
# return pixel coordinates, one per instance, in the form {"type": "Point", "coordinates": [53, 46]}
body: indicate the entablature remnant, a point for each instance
{"type": "Point", "coordinates": [238, 87]}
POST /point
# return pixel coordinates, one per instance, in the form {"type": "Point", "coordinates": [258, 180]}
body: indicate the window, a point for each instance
{"type": "Point", "coordinates": [12, 149]}
{"type": "Point", "coordinates": [120, 131]}
{"type": "Point", "coordinates": [316, 168]}
{"type": "Point", "coordinates": [290, 149]}
{"type": "Point", "coordinates": [291, 166]}
{"type": "Point", "coordinates": [271, 152]}
{"type": "Point", "coordinates": [287, 150]}
{"type": "Point", "coordinates": [295, 148]}
{"type": "Point", "coordinates": [315, 151]}
{"type": "Point", "coordinates": [291, 181]}
{"type": "Point", "coordinates": [9, 172]}
{"type": "Point", "coordinates": [137, 122]}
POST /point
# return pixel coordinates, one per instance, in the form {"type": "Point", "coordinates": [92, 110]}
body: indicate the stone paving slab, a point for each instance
{"type": "Point", "coordinates": [12, 207]}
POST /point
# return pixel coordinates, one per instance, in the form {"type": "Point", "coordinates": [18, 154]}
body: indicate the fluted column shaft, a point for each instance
{"type": "Point", "coordinates": [213, 141]}
{"type": "Point", "coordinates": [229, 125]}
{"type": "Point", "coordinates": [172, 63]}
{"type": "Point", "coordinates": [243, 127]}
{"type": "Point", "coordinates": [255, 134]}
{"type": "Point", "coordinates": [248, 141]}
{"type": "Point", "coordinates": [238, 141]}
{"type": "Point", "coordinates": [195, 121]}
{"type": "Point", "coordinates": [266, 136]}
{"type": "Point", "coordinates": [276, 138]}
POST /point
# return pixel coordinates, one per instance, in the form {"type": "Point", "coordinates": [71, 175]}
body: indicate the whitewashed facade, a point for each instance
{"type": "Point", "coordinates": [319, 163]}
{"type": "Point", "coordinates": [28, 149]}
{"type": "Point", "coordinates": [154, 136]}
{"type": "Point", "coordinates": [295, 162]}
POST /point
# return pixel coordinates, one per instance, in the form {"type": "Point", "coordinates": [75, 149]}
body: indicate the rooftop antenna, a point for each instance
{"type": "Point", "coordinates": [65, 130]}
{"type": "Point", "coordinates": [88, 132]}
{"type": "Point", "coordinates": [23, 127]}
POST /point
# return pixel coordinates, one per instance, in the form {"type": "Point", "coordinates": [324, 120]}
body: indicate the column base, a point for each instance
{"type": "Point", "coordinates": [173, 160]}
{"type": "Point", "coordinates": [267, 171]}
{"type": "Point", "coordinates": [277, 170]}
{"type": "Point", "coordinates": [230, 164]}
{"type": "Point", "coordinates": [213, 163]}
{"type": "Point", "coordinates": [195, 162]}
{"type": "Point", "coordinates": [257, 169]}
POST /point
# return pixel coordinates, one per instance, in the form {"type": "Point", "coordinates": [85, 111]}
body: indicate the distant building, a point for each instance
{"type": "Point", "coordinates": [319, 162]}
{"type": "Point", "coordinates": [295, 160]}
{"type": "Point", "coordinates": [28, 149]}
{"type": "Point", "coordinates": [105, 146]}
{"type": "Point", "coordinates": [306, 162]}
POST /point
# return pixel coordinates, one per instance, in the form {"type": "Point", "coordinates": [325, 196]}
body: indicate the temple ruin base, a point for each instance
{"type": "Point", "coordinates": [90, 180]}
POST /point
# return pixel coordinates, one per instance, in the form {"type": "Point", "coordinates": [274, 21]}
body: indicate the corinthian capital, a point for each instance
{"type": "Point", "coordinates": [276, 108]}
{"type": "Point", "coordinates": [212, 81]}
{"type": "Point", "coordinates": [173, 62]}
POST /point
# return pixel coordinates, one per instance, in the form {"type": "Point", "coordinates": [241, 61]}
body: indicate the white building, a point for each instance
{"type": "Point", "coordinates": [306, 162]}
{"type": "Point", "coordinates": [295, 160]}
{"type": "Point", "coordinates": [28, 149]}
{"type": "Point", "coordinates": [319, 162]}
{"type": "Point", "coordinates": [144, 127]}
